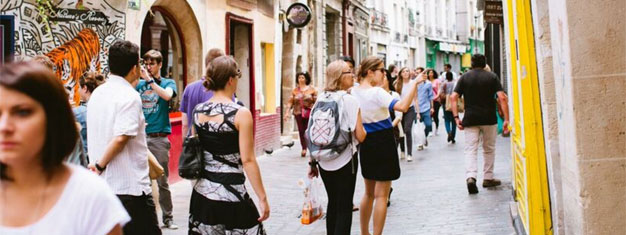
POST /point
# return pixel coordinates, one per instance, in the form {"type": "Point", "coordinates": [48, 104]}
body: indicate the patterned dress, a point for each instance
{"type": "Point", "coordinates": [220, 203]}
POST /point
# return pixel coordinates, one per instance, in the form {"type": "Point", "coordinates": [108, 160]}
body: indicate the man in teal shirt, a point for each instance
{"type": "Point", "coordinates": [156, 92]}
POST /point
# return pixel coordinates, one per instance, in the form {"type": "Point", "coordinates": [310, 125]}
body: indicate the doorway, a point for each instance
{"type": "Point", "coordinates": [239, 44]}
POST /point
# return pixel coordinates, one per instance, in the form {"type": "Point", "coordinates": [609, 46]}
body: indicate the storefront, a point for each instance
{"type": "Point", "coordinates": [439, 53]}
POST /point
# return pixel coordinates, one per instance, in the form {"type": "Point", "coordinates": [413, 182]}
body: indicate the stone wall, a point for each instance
{"type": "Point", "coordinates": [589, 62]}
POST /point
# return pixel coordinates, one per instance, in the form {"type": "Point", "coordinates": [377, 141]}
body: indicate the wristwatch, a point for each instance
{"type": "Point", "coordinates": [150, 82]}
{"type": "Point", "coordinates": [100, 168]}
{"type": "Point", "coordinates": [456, 117]}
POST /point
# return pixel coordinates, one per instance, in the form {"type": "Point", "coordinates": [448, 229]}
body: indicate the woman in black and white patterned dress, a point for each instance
{"type": "Point", "coordinates": [220, 203]}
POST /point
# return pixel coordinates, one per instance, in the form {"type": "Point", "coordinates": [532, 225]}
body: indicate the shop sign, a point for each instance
{"type": "Point", "coordinates": [84, 16]}
{"type": "Point", "coordinates": [298, 15]}
{"type": "Point", "coordinates": [493, 12]}
{"type": "Point", "coordinates": [134, 4]}
{"type": "Point", "coordinates": [449, 47]}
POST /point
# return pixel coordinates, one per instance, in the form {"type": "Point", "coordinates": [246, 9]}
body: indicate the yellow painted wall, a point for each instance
{"type": "Point", "coordinates": [270, 79]}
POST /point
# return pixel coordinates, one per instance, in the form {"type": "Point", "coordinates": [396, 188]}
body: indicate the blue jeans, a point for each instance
{"type": "Point", "coordinates": [450, 123]}
{"type": "Point", "coordinates": [428, 122]}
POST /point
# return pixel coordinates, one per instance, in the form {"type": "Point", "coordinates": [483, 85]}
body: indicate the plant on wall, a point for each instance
{"type": "Point", "coordinates": [45, 11]}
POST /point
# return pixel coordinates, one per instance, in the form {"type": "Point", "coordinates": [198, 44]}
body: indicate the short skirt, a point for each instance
{"type": "Point", "coordinates": [379, 156]}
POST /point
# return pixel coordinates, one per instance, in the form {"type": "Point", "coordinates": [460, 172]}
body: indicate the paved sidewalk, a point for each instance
{"type": "Point", "coordinates": [429, 198]}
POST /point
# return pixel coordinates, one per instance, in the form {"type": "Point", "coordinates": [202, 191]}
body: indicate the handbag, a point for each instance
{"type": "Point", "coordinates": [155, 169]}
{"type": "Point", "coordinates": [191, 161]}
{"type": "Point", "coordinates": [460, 104]}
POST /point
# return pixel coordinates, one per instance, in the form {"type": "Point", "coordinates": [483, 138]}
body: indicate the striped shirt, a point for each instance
{"type": "Point", "coordinates": [375, 105]}
{"type": "Point", "coordinates": [115, 109]}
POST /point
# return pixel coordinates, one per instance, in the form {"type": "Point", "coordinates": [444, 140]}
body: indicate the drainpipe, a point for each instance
{"type": "Point", "coordinates": [344, 26]}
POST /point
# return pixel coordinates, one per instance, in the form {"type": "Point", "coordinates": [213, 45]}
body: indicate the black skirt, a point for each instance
{"type": "Point", "coordinates": [379, 156]}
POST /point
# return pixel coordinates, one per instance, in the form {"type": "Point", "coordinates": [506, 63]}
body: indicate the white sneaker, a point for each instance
{"type": "Point", "coordinates": [409, 158]}
{"type": "Point", "coordinates": [420, 147]}
{"type": "Point", "coordinates": [402, 156]}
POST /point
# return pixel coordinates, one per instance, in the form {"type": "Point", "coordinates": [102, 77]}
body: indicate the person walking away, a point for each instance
{"type": "Point", "coordinates": [88, 84]}
{"type": "Point", "coordinates": [38, 190]}
{"type": "Point", "coordinates": [447, 68]}
{"type": "Point", "coordinates": [425, 98]}
{"type": "Point", "coordinates": [433, 78]}
{"type": "Point", "coordinates": [403, 86]}
{"type": "Point", "coordinates": [479, 88]}
{"type": "Point", "coordinates": [156, 92]}
{"type": "Point", "coordinates": [117, 138]}
{"type": "Point", "coordinates": [445, 90]}
{"type": "Point", "coordinates": [379, 156]}
{"type": "Point", "coordinates": [302, 99]}
{"type": "Point", "coordinates": [195, 93]}
{"type": "Point", "coordinates": [339, 172]}
{"type": "Point", "coordinates": [220, 203]}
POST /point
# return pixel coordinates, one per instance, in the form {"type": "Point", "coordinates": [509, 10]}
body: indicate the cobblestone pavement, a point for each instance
{"type": "Point", "coordinates": [429, 198]}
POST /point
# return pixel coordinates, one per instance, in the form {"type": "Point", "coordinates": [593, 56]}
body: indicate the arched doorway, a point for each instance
{"type": "Point", "coordinates": [172, 28]}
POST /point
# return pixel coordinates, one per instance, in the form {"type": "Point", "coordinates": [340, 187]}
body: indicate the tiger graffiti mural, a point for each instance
{"type": "Point", "coordinates": [76, 57]}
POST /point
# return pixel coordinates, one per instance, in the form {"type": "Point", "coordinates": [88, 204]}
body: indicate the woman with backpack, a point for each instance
{"type": "Point", "coordinates": [302, 99]}
{"type": "Point", "coordinates": [338, 170]}
{"type": "Point", "coordinates": [446, 89]}
{"type": "Point", "coordinates": [379, 156]}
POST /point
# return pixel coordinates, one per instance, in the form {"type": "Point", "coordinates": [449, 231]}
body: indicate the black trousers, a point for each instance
{"type": "Point", "coordinates": [435, 115]}
{"type": "Point", "coordinates": [143, 217]}
{"type": "Point", "coordinates": [339, 186]}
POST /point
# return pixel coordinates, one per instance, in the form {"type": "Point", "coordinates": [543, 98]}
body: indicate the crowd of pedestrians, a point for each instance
{"type": "Point", "coordinates": [364, 116]}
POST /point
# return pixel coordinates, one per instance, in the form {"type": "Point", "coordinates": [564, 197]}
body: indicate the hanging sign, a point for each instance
{"type": "Point", "coordinates": [298, 15]}
{"type": "Point", "coordinates": [493, 12]}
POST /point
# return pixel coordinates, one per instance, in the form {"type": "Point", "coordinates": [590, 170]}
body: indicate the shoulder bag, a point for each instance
{"type": "Point", "coordinates": [191, 162]}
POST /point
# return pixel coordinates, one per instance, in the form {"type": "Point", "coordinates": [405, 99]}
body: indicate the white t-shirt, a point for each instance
{"type": "Point", "coordinates": [115, 109]}
{"type": "Point", "coordinates": [406, 87]}
{"type": "Point", "coordinates": [86, 206]}
{"type": "Point", "coordinates": [351, 110]}
{"type": "Point", "coordinates": [375, 104]}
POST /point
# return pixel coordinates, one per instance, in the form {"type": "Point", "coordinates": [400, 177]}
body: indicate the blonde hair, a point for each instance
{"type": "Point", "coordinates": [333, 75]}
{"type": "Point", "coordinates": [369, 63]}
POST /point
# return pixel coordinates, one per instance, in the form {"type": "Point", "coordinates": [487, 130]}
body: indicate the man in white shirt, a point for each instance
{"type": "Point", "coordinates": [118, 138]}
{"type": "Point", "coordinates": [447, 68]}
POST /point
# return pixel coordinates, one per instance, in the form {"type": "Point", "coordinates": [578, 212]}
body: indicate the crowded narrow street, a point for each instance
{"type": "Point", "coordinates": [429, 198]}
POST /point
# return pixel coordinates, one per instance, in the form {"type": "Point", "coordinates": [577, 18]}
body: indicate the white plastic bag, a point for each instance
{"type": "Point", "coordinates": [312, 208]}
{"type": "Point", "coordinates": [419, 137]}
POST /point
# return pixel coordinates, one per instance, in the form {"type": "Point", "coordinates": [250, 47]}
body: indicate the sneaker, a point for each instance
{"type": "Point", "coordinates": [426, 142]}
{"type": "Point", "coordinates": [453, 141]}
{"type": "Point", "coordinates": [420, 148]}
{"type": "Point", "coordinates": [409, 158]}
{"type": "Point", "coordinates": [449, 138]}
{"type": "Point", "coordinates": [170, 225]}
{"type": "Point", "coordinates": [402, 156]}
{"type": "Point", "coordinates": [491, 183]}
{"type": "Point", "coordinates": [471, 185]}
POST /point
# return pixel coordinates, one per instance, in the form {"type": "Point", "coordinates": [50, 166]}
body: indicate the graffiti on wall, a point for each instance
{"type": "Point", "coordinates": [80, 32]}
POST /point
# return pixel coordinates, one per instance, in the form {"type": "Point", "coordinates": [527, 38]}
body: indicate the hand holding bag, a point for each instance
{"type": "Point", "coordinates": [156, 170]}
{"type": "Point", "coordinates": [191, 162]}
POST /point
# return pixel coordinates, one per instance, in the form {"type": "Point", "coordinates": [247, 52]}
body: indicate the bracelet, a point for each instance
{"type": "Point", "coordinates": [100, 168]}
{"type": "Point", "coordinates": [150, 82]}
{"type": "Point", "coordinates": [456, 117]}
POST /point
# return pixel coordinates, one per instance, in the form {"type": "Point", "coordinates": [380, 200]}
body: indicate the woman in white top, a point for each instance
{"type": "Point", "coordinates": [379, 156]}
{"type": "Point", "coordinates": [403, 86]}
{"type": "Point", "coordinates": [339, 174]}
{"type": "Point", "coordinates": [39, 193]}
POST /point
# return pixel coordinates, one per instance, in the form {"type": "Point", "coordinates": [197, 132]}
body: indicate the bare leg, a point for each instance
{"type": "Point", "coordinates": [366, 206]}
{"type": "Point", "coordinates": [381, 193]}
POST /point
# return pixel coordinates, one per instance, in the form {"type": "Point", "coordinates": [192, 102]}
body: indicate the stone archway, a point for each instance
{"type": "Point", "coordinates": [184, 20]}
